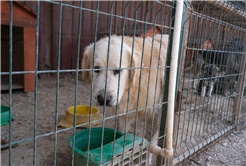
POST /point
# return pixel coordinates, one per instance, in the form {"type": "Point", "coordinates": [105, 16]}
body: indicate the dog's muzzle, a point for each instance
{"type": "Point", "coordinates": [101, 99]}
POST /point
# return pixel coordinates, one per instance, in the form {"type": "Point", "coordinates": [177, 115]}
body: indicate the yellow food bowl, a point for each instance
{"type": "Point", "coordinates": [82, 116]}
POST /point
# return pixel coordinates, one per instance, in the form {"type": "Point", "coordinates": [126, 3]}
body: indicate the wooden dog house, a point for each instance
{"type": "Point", "coordinates": [24, 43]}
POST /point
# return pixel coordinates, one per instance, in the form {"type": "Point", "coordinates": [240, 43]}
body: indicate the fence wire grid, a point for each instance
{"type": "Point", "coordinates": [209, 89]}
{"type": "Point", "coordinates": [215, 28]}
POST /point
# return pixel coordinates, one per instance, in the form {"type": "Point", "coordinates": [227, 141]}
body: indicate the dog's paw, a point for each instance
{"type": "Point", "coordinates": [209, 95]}
{"type": "Point", "coordinates": [203, 95]}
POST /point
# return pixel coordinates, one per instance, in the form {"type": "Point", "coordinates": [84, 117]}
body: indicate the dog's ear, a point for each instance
{"type": "Point", "coordinates": [208, 44]}
{"type": "Point", "coordinates": [135, 72]}
{"type": "Point", "coordinates": [86, 62]}
{"type": "Point", "coordinates": [135, 64]}
{"type": "Point", "coordinates": [212, 44]}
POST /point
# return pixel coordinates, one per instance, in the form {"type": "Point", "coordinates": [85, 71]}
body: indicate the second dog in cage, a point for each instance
{"type": "Point", "coordinates": [225, 84]}
{"type": "Point", "coordinates": [151, 72]}
{"type": "Point", "coordinates": [209, 73]}
{"type": "Point", "coordinates": [225, 61]}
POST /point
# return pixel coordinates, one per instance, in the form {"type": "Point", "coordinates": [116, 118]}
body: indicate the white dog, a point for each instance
{"type": "Point", "coordinates": [155, 88]}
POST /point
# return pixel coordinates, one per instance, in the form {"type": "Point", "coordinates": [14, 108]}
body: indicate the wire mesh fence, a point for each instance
{"type": "Point", "coordinates": [213, 72]}
{"type": "Point", "coordinates": [95, 20]}
{"type": "Point", "coordinates": [118, 48]}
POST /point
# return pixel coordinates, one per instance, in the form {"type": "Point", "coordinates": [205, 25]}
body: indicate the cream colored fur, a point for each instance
{"type": "Point", "coordinates": [100, 60]}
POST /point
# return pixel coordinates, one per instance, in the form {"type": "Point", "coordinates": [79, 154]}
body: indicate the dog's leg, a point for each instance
{"type": "Point", "coordinates": [203, 93]}
{"type": "Point", "coordinates": [122, 122]}
{"type": "Point", "coordinates": [226, 89]}
{"type": "Point", "coordinates": [195, 82]}
{"type": "Point", "coordinates": [211, 89]}
{"type": "Point", "coordinates": [231, 90]}
{"type": "Point", "coordinates": [231, 86]}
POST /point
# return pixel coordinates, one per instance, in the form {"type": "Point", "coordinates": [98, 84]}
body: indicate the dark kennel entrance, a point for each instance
{"type": "Point", "coordinates": [23, 46]}
{"type": "Point", "coordinates": [18, 57]}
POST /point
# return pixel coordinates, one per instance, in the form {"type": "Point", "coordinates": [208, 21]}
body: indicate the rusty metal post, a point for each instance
{"type": "Point", "coordinates": [240, 88]}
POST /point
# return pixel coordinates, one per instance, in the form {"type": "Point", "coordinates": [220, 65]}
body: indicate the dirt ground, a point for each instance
{"type": "Point", "coordinates": [233, 146]}
{"type": "Point", "coordinates": [23, 125]}
{"type": "Point", "coordinates": [228, 151]}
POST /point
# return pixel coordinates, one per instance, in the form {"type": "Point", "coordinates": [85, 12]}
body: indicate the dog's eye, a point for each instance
{"type": "Point", "coordinates": [96, 71]}
{"type": "Point", "coordinates": [116, 72]}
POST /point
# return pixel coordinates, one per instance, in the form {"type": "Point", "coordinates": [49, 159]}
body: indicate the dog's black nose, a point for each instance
{"type": "Point", "coordinates": [100, 99]}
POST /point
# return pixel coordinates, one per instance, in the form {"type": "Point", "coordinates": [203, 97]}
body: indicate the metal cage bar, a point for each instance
{"type": "Point", "coordinates": [214, 28]}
